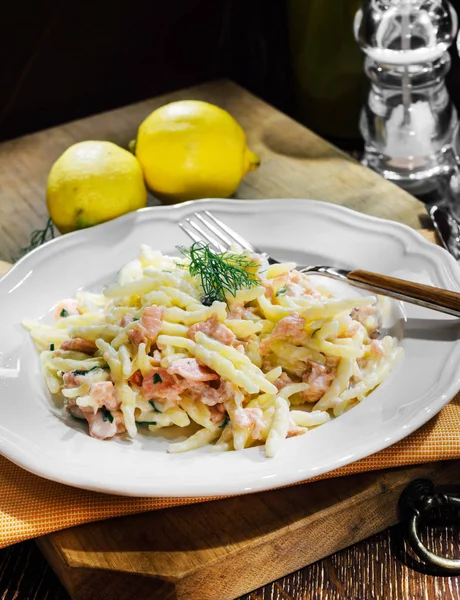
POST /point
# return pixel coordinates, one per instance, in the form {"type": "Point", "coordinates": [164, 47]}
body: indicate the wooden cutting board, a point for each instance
{"type": "Point", "coordinates": [223, 549]}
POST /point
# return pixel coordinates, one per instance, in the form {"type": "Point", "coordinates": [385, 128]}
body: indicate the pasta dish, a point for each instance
{"type": "Point", "coordinates": [245, 352]}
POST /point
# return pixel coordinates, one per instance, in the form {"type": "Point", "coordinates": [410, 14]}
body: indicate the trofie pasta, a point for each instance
{"type": "Point", "coordinates": [169, 345]}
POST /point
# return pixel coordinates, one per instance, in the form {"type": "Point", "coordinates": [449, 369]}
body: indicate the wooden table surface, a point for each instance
{"type": "Point", "coordinates": [295, 163]}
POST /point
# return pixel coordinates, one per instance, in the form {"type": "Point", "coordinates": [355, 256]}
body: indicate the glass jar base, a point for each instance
{"type": "Point", "coordinates": [415, 176]}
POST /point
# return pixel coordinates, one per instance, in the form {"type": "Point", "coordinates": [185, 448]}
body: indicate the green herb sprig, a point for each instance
{"type": "Point", "coordinates": [39, 237]}
{"type": "Point", "coordinates": [220, 274]}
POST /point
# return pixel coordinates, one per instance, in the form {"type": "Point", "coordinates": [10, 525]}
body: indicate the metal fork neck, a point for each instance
{"type": "Point", "coordinates": [332, 272]}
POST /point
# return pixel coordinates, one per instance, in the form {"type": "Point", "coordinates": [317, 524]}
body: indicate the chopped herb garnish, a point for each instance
{"type": "Point", "coordinates": [152, 404]}
{"type": "Point", "coordinates": [63, 313]}
{"type": "Point", "coordinates": [135, 318]}
{"type": "Point", "coordinates": [157, 378]}
{"type": "Point", "coordinates": [281, 291]}
{"type": "Point", "coordinates": [225, 423]}
{"type": "Point", "coordinates": [106, 415]}
{"type": "Point", "coordinates": [220, 273]}
{"type": "Point", "coordinates": [313, 334]}
{"type": "Point", "coordinates": [86, 371]}
{"type": "Point", "coordinates": [52, 347]}
{"type": "Point", "coordinates": [81, 371]}
{"type": "Point", "coordinates": [146, 422]}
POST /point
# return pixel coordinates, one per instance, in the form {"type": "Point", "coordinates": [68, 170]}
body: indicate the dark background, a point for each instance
{"type": "Point", "coordinates": [64, 60]}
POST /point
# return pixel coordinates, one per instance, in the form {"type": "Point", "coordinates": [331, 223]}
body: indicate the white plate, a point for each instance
{"type": "Point", "coordinates": [39, 437]}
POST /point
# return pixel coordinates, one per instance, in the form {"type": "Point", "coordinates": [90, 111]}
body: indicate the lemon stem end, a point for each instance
{"type": "Point", "coordinates": [252, 160]}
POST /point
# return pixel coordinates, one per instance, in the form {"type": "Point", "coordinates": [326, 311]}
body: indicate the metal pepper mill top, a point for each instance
{"type": "Point", "coordinates": [408, 120]}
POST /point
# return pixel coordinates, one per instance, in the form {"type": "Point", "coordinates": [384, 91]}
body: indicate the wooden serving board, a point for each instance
{"type": "Point", "coordinates": [223, 549]}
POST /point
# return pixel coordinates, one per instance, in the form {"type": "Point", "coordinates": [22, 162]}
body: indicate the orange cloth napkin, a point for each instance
{"type": "Point", "coordinates": [31, 506]}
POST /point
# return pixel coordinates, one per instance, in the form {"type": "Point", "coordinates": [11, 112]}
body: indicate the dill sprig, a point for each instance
{"type": "Point", "coordinates": [220, 274]}
{"type": "Point", "coordinates": [39, 237]}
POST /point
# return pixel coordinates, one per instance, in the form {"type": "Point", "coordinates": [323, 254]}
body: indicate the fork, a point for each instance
{"type": "Point", "coordinates": [206, 228]}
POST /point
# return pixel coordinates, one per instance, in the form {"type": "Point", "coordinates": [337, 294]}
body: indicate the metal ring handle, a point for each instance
{"type": "Point", "coordinates": [419, 503]}
{"type": "Point", "coordinates": [448, 564]}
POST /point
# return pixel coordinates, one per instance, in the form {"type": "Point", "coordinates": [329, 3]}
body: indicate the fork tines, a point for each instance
{"type": "Point", "coordinates": [205, 227]}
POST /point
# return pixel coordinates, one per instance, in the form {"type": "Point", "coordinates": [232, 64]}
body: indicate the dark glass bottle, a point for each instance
{"type": "Point", "coordinates": [327, 67]}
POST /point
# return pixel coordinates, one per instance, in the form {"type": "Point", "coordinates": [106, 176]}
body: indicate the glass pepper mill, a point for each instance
{"type": "Point", "coordinates": [408, 120]}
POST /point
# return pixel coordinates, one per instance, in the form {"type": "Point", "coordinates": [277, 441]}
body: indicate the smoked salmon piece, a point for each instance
{"type": "Point", "coordinates": [79, 345]}
{"type": "Point", "coordinates": [212, 327]}
{"type": "Point", "coordinates": [190, 369]}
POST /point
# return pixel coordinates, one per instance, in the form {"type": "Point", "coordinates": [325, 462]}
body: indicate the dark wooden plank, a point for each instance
{"type": "Point", "coordinates": [25, 575]}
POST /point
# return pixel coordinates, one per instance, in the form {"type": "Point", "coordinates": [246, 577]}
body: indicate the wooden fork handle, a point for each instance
{"type": "Point", "coordinates": [409, 291]}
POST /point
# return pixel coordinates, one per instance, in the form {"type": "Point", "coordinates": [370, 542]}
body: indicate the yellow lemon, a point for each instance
{"type": "Point", "coordinates": [191, 149]}
{"type": "Point", "coordinates": [93, 182]}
